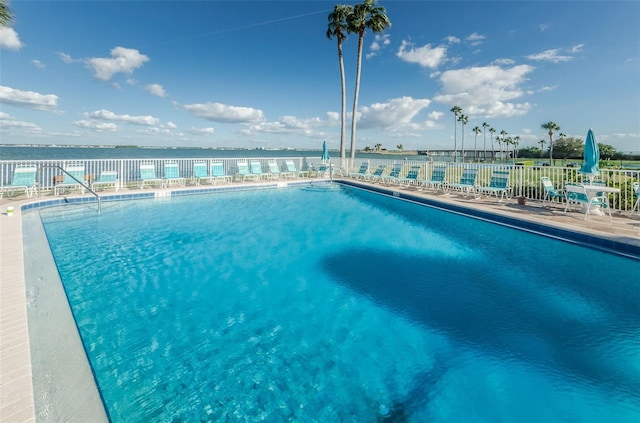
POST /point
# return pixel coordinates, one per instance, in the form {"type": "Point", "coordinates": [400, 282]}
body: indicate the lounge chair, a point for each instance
{"type": "Point", "coordinates": [172, 175]}
{"type": "Point", "coordinates": [292, 171]}
{"type": "Point", "coordinates": [411, 178]}
{"type": "Point", "coordinates": [73, 178]}
{"type": "Point", "coordinates": [200, 173]}
{"type": "Point", "coordinates": [274, 170]}
{"type": "Point", "coordinates": [467, 183]}
{"type": "Point", "coordinates": [148, 175]}
{"type": "Point", "coordinates": [378, 174]}
{"type": "Point", "coordinates": [256, 169]}
{"type": "Point", "coordinates": [319, 170]}
{"type": "Point", "coordinates": [499, 184]}
{"type": "Point", "coordinates": [577, 196]}
{"type": "Point", "coordinates": [636, 189]}
{"type": "Point", "coordinates": [107, 178]}
{"type": "Point", "coordinates": [550, 192]}
{"type": "Point", "coordinates": [218, 173]}
{"type": "Point", "coordinates": [394, 175]}
{"type": "Point", "coordinates": [244, 174]}
{"type": "Point", "coordinates": [24, 179]}
{"type": "Point", "coordinates": [438, 178]}
{"type": "Point", "coordinates": [362, 172]}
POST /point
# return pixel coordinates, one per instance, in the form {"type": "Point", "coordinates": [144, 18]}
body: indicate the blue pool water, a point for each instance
{"type": "Point", "coordinates": [342, 305]}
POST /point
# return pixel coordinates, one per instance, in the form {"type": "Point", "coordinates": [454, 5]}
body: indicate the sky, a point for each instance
{"type": "Point", "coordinates": [263, 74]}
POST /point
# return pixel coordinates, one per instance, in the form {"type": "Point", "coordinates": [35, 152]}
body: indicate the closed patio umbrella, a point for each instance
{"type": "Point", "coordinates": [591, 157]}
{"type": "Point", "coordinates": [325, 152]}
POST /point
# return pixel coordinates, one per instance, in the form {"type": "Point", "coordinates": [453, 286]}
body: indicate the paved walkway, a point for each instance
{"type": "Point", "coordinates": [16, 387]}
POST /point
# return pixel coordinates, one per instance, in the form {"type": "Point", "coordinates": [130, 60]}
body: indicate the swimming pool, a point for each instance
{"type": "Point", "coordinates": [342, 305]}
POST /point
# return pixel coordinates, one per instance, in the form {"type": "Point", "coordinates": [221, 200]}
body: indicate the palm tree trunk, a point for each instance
{"type": "Point", "coordinates": [343, 118]}
{"type": "Point", "coordinates": [355, 97]}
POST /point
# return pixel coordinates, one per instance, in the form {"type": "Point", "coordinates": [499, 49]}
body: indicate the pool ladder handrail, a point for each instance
{"type": "Point", "coordinates": [78, 181]}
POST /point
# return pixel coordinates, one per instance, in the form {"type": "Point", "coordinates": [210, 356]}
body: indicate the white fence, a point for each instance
{"type": "Point", "coordinates": [525, 180]}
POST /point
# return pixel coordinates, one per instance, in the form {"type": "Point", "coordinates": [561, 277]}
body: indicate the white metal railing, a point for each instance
{"type": "Point", "coordinates": [524, 180]}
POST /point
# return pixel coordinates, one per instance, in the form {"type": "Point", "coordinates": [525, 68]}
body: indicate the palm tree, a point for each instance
{"type": "Point", "coordinates": [503, 137]}
{"type": "Point", "coordinates": [550, 126]}
{"type": "Point", "coordinates": [463, 121]}
{"type": "Point", "coordinates": [516, 141]}
{"type": "Point", "coordinates": [455, 110]}
{"type": "Point", "coordinates": [476, 130]}
{"type": "Point", "coordinates": [485, 125]}
{"type": "Point", "coordinates": [5, 14]}
{"type": "Point", "coordinates": [365, 15]}
{"type": "Point", "coordinates": [542, 143]}
{"type": "Point", "coordinates": [338, 28]}
{"type": "Point", "coordinates": [493, 150]}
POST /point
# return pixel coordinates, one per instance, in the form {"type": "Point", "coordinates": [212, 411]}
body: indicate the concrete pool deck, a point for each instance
{"type": "Point", "coordinates": [16, 375]}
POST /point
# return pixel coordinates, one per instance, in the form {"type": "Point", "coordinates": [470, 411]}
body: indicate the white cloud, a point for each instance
{"type": "Point", "coordinates": [218, 112]}
{"type": "Point", "coordinates": [65, 57]}
{"type": "Point", "coordinates": [28, 99]}
{"type": "Point", "coordinates": [38, 64]}
{"type": "Point", "coordinates": [170, 125]}
{"type": "Point", "coordinates": [397, 112]}
{"type": "Point", "coordinates": [135, 120]}
{"type": "Point", "coordinates": [485, 91]}
{"type": "Point", "coordinates": [577, 48]}
{"type": "Point", "coordinates": [426, 56]}
{"type": "Point", "coordinates": [475, 39]}
{"type": "Point", "coordinates": [452, 40]}
{"type": "Point", "coordinates": [7, 121]}
{"type": "Point", "coordinates": [123, 60]}
{"type": "Point", "coordinates": [156, 89]}
{"type": "Point", "coordinates": [96, 125]}
{"type": "Point", "coordinates": [551, 55]}
{"type": "Point", "coordinates": [503, 62]}
{"type": "Point", "coordinates": [543, 27]}
{"type": "Point", "coordinates": [379, 41]}
{"type": "Point", "coordinates": [202, 131]}
{"type": "Point", "coordinates": [9, 39]}
{"type": "Point", "coordinates": [435, 115]}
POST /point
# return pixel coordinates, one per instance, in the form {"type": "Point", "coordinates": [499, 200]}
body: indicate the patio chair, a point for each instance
{"type": "Point", "coordinates": [200, 173]}
{"type": "Point", "coordinates": [378, 174]}
{"type": "Point", "coordinates": [467, 182]}
{"type": "Point", "coordinates": [107, 178]}
{"type": "Point", "coordinates": [498, 184]}
{"type": "Point", "coordinates": [72, 178]}
{"type": "Point", "coordinates": [577, 196]}
{"type": "Point", "coordinates": [244, 173]}
{"type": "Point", "coordinates": [394, 175]}
{"type": "Point", "coordinates": [550, 192]}
{"type": "Point", "coordinates": [218, 173]}
{"type": "Point", "coordinates": [256, 169]}
{"type": "Point", "coordinates": [172, 175]}
{"type": "Point", "coordinates": [274, 170]}
{"type": "Point", "coordinates": [148, 175]}
{"type": "Point", "coordinates": [636, 190]}
{"type": "Point", "coordinates": [292, 171]}
{"type": "Point", "coordinates": [438, 178]}
{"type": "Point", "coordinates": [411, 178]}
{"type": "Point", "coordinates": [24, 179]}
{"type": "Point", "coordinates": [362, 172]}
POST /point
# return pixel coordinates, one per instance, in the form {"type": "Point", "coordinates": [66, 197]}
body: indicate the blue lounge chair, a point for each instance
{"type": "Point", "coordinates": [636, 205]}
{"type": "Point", "coordinates": [550, 192]}
{"type": "Point", "coordinates": [107, 178]}
{"type": "Point", "coordinates": [244, 173]}
{"type": "Point", "coordinates": [411, 177]}
{"type": "Point", "coordinates": [438, 178]}
{"type": "Point", "coordinates": [577, 196]}
{"type": "Point", "coordinates": [292, 171]}
{"type": "Point", "coordinates": [172, 175]}
{"type": "Point", "coordinates": [378, 174]}
{"type": "Point", "coordinates": [467, 183]}
{"type": "Point", "coordinates": [256, 169]}
{"type": "Point", "coordinates": [148, 175]}
{"type": "Point", "coordinates": [499, 184]}
{"type": "Point", "coordinates": [24, 179]}
{"type": "Point", "coordinates": [362, 172]}
{"type": "Point", "coordinates": [73, 178]}
{"type": "Point", "coordinates": [394, 175]}
{"type": "Point", "coordinates": [274, 170]}
{"type": "Point", "coordinates": [200, 173]}
{"type": "Point", "coordinates": [218, 173]}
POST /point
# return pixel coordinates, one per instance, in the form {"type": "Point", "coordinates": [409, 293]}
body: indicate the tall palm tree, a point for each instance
{"type": "Point", "coordinates": [365, 16]}
{"type": "Point", "coordinates": [463, 121]}
{"type": "Point", "coordinates": [516, 141]}
{"type": "Point", "coordinates": [455, 110]}
{"type": "Point", "coordinates": [476, 130]}
{"type": "Point", "coordinates": [550, 127]}
{"type": "Point", "coordinates": [503, 137]}
{"type": "Point", "coordinates": [5, 14]}
{"type": "Point", "coordinates": [542, 143]}
{"type": "Point", "coordinates": [485, 125]}
{"type": "Point", "coordinates": [338, 28]}
{"type": "Point", "coordinates": [493, 150]}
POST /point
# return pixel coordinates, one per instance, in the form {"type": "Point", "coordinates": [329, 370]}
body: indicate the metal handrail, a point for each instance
{"type": "Point", "coordinates": [78, 181]}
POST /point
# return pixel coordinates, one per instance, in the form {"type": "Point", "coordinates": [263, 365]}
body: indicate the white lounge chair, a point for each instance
{"type": "Point", "coordinates": [148, 175]}
{"type": "Point", "coordinates": [172, 175]}
{"type": "Point", "coordinates": [438, 178]}
{"type": "Point", "coordinates": [550, 192]}
{"type": "Point", "coordinates": [107, 178]}
{"type": "Point", "coordinates": [499, 184]}
{"type": "Point", "coordinates": [467, 182]}
{"type": "Point", "coordinates": [73, 178]}
{"type": "Point", "coordinates": [24, 179]}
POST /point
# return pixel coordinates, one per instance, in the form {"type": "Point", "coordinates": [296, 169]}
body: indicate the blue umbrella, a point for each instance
{"type": "Point", "coordinates": [325, 152]}
{"type": "Point", "coordinates": [591, 157]}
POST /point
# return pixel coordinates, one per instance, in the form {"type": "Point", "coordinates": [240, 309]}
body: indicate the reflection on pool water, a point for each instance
{"type": "Point", "coordinates": [343, 305]}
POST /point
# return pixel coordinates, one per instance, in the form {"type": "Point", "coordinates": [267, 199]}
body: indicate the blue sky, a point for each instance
{"type": "Point", "coordinates": [263, 73]}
